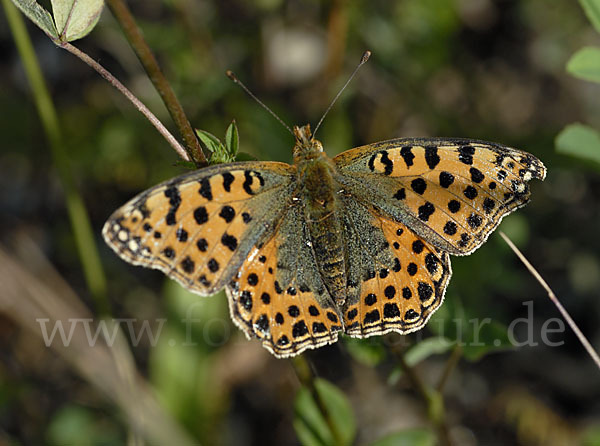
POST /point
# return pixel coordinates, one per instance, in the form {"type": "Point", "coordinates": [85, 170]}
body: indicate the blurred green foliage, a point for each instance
{"type": "Point", "coordinates": [310, 423]}
{"type": "Point", "coordinates": [579, 140]}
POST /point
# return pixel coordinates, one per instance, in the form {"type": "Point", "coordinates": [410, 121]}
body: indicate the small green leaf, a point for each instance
{"type": "Point", "coordinates": [368, 351]}
{"type": "Point", "coordinates": [38, 15]}
{"type": "Point", "coordinates": [309, 423]}
{"type": "Point", "coordinates": [211, 141]}
{"type": "Point", "coordinates": [592, 11]}
{"type": "Point", "coordinates": [232, 139]}
{"type": "Point", "coordinates": [427, 347]}
{"type": "Point", "coordinates": [419, 352]}
{"type": "Point", "coordinates": [408, 437]}
{"type": "Point", "coordinates": [580, 141]}
{"type": "Point", "coordinates": [76, 18]}
{"type": "Point", "coordinates": [585, 64]}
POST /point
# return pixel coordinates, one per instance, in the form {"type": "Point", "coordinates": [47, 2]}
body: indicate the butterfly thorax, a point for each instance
{"type": "Point", "coordinates": [318, 193]}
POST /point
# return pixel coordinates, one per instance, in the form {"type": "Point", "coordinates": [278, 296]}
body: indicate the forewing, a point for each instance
{"type": "Point", "coordinates": [396, 278]}
{"type": "Point", "coordinates": [279, 296]}
{"type": "Point", "coordinates": [198, 228]}
{"type": "Point", "coordinates": [451, 192]}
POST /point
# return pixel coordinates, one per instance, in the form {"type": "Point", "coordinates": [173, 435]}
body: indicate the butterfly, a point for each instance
{"type": "Point", "coordinates": [356, 244]}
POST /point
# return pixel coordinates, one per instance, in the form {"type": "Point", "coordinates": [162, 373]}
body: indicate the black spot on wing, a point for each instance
{"type": "Point", "coordinates": [387, 162]}
{"type": "Point", "coordinates": [390, 311]}
{"type": "Point", "coordinates": [172, 193]}
{"type": "Point", "coordinates": [227, 213]}
{"type": "Point", "coordinates": [453, 206]}
{"type": "Point", "coordinates": [446, 179]}
{"type": "Point", "coordinates": [470, 192]}
{"type": "Point", "coordinates": [227, 180]}
{"type": "Point", "coordinates": [187, 265]}
{"type": "Point", "coordinates": [400, 194]}
{"type": "Point", "coordinates": [431, 156]}
{"type": "Point", "coordinates": [205, 189]}
{"type": "Point", "coordinates": [181, 235]}
{"type": "Point", "coordinates": [465, 154]}
{"type": "Point", "coordinates": [476, 175]}
{"type": "Point", "coordinates": [249, 176]}
{"type": "Point", "coordinates": [407, 155]}
{"type": "Point", "coordinates": [426, 211]}
{"type": "Point", "coordinates": [418, 185]}
{"type": "Point", "coordinates": [200, 215]}
{"type": "Point", "coordinates": [488, 205]}
{"type": "Point", "coordinates": [229, 241]}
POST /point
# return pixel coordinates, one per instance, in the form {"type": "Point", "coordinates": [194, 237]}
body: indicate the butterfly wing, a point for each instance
{"type": "Point", "coordinates": [450, 192]}
{"type": "Point", "coordinates": [396, 278]}
{"type": "Point", "coordinates": [279, 295]}
{"type": "Point", "coordinates": [198, 228]}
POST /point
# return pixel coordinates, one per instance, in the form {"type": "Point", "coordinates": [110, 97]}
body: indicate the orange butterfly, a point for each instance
{"type": "Point", "coordinates": [358, 244]}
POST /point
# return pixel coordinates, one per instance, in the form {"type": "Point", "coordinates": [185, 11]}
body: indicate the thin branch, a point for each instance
{"type": "Point", "coordinates": [129, 95]}
{"type": "Point", "coordinates": [450, 365]}
{"type": "Point", "coordinates": [144, 54]}
{"type": "Point", "coordinates": [590, 350]}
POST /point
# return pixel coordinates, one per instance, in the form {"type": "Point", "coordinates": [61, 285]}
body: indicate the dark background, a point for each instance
{"type": "Point", "coordinates": [485, 69]}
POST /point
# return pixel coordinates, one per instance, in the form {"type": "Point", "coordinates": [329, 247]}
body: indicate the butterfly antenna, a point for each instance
{"type": "Point", "coordinates": [363, 59]}
{"type": "Point", "coordinates": [234, 78]}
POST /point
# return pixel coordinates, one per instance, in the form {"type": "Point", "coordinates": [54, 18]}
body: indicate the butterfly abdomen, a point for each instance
{"type": "Point", "coordinates": [321, 211]}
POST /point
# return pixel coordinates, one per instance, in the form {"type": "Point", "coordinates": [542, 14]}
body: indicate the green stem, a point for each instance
{"type": "Point", "coordinates": [307, 379]}
{"type": "Point", "coordinates": [434, 400]}
{"type": "Point", "coordinates": [134, 36]}
{"type": "Point", "coordinates": [80, 222]}
{"type": "Point", "coordinates": [450, 364]}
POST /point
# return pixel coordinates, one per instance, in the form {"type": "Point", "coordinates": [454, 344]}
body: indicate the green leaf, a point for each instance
{"type": "Point", "coordinates": [310, 424]}
{"type": "Point", "coordinates": [38, 15]}
{"type": "Point", "coordinates": [592, 11]}
{"type": "Point", "coordinates": [76, 18]}
{"type": "Point", "coordinates": [408, 437]}
{"type": "Point", "coordinates": [419, 352]}
{"type": "Point", "coordinates": [427, 347]}
{"type": "Point", "coordinates": [232, 139]}
{"type": "Point", "coordinates": [585, 64]}
{"type": "Point", "coordinates": [211, 141]}
{"type": "Point", "coordinates": [580, 141]}
{"type": "Point", "coordinates": [368, 351]}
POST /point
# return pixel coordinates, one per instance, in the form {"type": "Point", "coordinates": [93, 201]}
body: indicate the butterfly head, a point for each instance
{"type": "Point", "coordinates": [306, 146]}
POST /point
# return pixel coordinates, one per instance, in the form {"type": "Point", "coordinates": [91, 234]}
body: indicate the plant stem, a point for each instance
{"type": "Point", "coordinates": [450, 364]}
{"type": "Point", "coordinates": [307, 379]}
{"type": "Point", "coordinates": [433, 399]}
{"type": "Point", "coordinates": [129, 95]}
{"type": "Point", "coordinates": [142, 50]}
{"type": "Point", "coordinates": [586, 344]}
{"type": "Point", "coordinates": [80, 222]}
